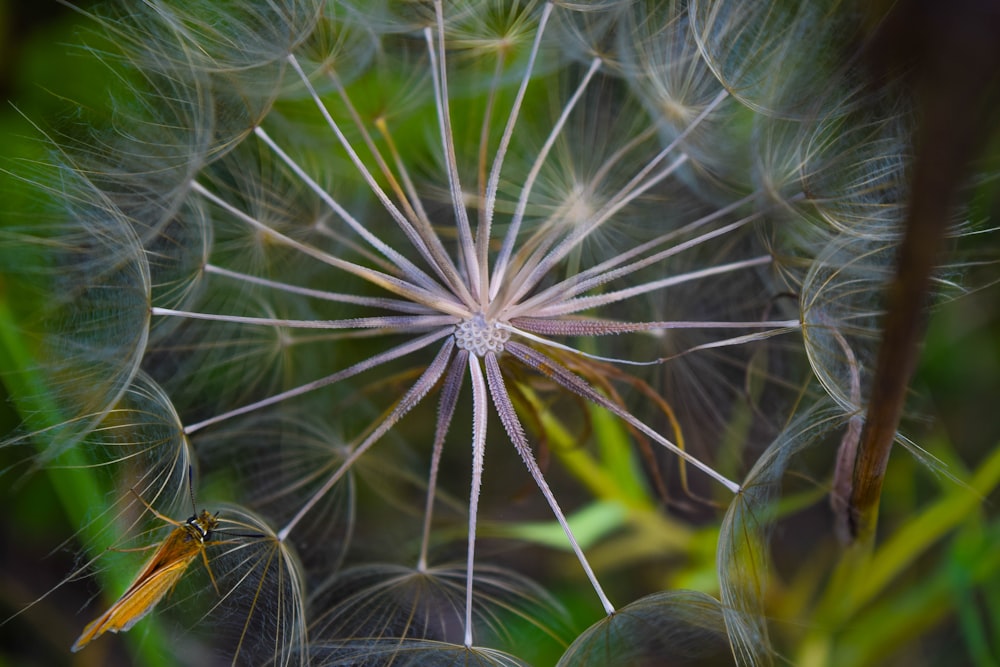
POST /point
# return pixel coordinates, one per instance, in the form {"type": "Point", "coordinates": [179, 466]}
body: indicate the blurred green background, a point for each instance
{"type": "Point", "coordinates": [943, 609]}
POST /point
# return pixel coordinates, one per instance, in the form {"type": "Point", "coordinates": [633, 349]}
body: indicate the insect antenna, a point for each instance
{"type": "Point", "coordinates": [194, 508]}
{"type": "Point", "coordinates": [232, 534]}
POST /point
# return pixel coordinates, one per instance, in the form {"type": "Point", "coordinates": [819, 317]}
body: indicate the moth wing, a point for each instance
{"type": "Point", "coordinates": [159, 576]}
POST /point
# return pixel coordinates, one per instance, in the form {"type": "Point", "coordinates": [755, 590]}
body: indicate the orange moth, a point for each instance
{"type": "Point", "coordinates": [157, 578]}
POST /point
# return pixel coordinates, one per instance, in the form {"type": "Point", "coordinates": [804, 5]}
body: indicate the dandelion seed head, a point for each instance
{"type": "Point", "coordinates": [479, 335]}
{"type": "Point", "coordinates": [632, 203]}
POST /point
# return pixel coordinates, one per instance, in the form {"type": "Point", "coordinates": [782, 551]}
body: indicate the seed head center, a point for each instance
{"type": "Point", "coordinates": [479, 335]}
